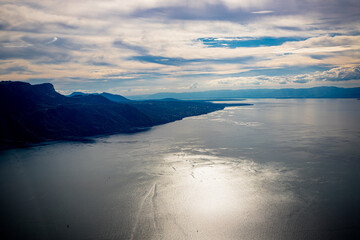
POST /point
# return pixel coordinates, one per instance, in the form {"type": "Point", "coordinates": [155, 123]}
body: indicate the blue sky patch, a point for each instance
{"type": "Point", "coordinates": [246, 41]}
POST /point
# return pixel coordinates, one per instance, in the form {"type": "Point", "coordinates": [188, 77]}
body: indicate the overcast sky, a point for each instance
{"type": "Point", "coordinates": [148, 46]}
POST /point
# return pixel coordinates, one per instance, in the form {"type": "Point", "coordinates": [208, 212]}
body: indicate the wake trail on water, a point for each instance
{"type": "Point", "coordinates": [149, 197]}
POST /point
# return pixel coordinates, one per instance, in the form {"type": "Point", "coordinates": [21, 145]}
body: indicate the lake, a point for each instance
{"type": "Point", "coordinates": [280, 169]}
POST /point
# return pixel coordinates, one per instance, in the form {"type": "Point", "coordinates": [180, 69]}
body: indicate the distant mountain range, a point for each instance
{"type": "Point", "coordinates": [316, 92]}
{"type": "Point", "coordinates": [111, 97]}
{"type": "Point", "coordinates": [37, 113]}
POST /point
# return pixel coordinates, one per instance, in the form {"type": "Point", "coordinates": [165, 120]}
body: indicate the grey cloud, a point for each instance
{"type": "Point", "coordinates": [194, 85]}
{"type": "Point", "coordinates": [27, 17]}
{"type": "Point", "coordinates": [66, 25]}
{"type": "Point", "coordinates": [329, 12]}
{"type": "Point", "coordinates": [301, 81]}
{"type": "Point", "coordinates": [295, 29]}
{"type": "Point", "coordinates": [207, 12]}
{"type": "Point", "coordinates": [100, 63]}
{"type": "Point", "coordinates": [320, 57]}
{"type": "Point", "coordinates": [182, 61]}
{"type": "Point", "coordinates": [138, 49]}
{"type": "Point", "coordinates": [304, 78]}
{"type": "Point", "coordinates": [15, 69]}
{"type": "Point", "coordinates": [3, 26]}
{"type": "Point", "coordinates": [60, 43]}
{"type": "Point", "coordinates": [25, 27]}
{"type": "Point", "coordinates": [40, 50]}
{"type": "Point", "coordinates": [20, 53]}
{"type": "Point", "coordinates": [36, 54]}
{"type": "Point", "coordinates": [136, 74]}
{"type": "Point", "coordinates": [37, 27]}
{"type": "Point", "coordinates": [263, 78]}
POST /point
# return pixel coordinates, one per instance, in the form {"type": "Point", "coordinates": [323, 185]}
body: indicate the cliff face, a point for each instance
{"type": "Point", "coordinates": [36, 113]}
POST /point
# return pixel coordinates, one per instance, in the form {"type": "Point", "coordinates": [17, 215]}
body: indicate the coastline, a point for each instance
{"type": "Point", "coordinates": [90, 138]}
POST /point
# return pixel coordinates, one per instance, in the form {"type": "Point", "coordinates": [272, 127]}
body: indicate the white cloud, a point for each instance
{"type": "Point", "coordinates": [262, 12]}
{"type": "Point", "coordinates": [53, 40]}
{"type": "Point", "coordinates": [79, 39]}
{"type": "Point", "coordinates": [344, 73]}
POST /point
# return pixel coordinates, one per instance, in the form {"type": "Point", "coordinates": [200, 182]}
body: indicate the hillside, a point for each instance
{"type": "Point", "coordinates": [37, 113]}
{"type": "Point", "coordinates": [111, 97]}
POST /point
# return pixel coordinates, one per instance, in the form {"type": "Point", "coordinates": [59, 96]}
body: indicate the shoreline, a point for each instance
{"type": "Point", "coordinates": [90, 139]}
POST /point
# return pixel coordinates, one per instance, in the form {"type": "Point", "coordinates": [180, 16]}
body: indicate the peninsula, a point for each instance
{"type": "Point", "coordinates": [32, 114]}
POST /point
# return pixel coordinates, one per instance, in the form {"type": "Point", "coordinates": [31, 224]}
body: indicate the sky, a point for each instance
{"type": "Point", "coordinates": [148, 46]}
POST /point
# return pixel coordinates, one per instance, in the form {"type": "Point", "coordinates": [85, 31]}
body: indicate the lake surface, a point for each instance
{"type": "Point", "coordinates": [280, 169]}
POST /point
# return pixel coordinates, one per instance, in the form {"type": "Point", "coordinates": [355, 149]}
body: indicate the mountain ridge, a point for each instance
{"type": "Point", "coordinates": [111, 97]}
{"type": "Point", "coordinates": [32, 114]}
{"type": "Point", "coordinates": [314, 92]}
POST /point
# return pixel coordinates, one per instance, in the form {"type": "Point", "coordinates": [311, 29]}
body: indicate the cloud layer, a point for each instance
{"type": "Point", "coordinates": [140, 46]}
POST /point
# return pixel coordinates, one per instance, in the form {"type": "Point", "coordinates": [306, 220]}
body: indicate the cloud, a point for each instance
{"type": "Point", "coordinates": [194, 85]}
{"type": "Point", "coordinates": [35, 54]}
{"type": "Point", "coordinates": [161, 60]}
{"type": "Point", "coordinates": [100, 63]}
{"type": "Point", "coordinates": [340, 74]}
{"type": "Point", "coordinates": [14, 69]}
{"type": "Point", "coordinates": [53, 40]}
{"type": "Point", "coordinates": [168, 45]}
{"type": "Point", "coordinates": [217, 11]}
{"type": "Point", "coordinates": [182, 61]}
{"type": "Point", "coordinates": [245, 11]}
{"type": "Point", "coordinates": [262, 12]}
{"type": "Point", "coordinates": [300, 81]}
{"type": "Point", "coordinates": [135, 48]}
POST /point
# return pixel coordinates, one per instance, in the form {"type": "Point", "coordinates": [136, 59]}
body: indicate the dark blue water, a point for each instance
{"type": "Point", "coordinates": [280, 169]}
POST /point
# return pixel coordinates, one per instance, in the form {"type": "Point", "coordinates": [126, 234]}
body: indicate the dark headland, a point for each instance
{"type": "Point", "coordinates": [32, 114]}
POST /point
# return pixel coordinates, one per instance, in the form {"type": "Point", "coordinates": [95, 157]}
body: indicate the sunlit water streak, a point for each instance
{"type": "Point", "coordinates": [281, 169]}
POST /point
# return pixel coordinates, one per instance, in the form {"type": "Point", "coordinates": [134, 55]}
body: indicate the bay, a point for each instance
{"type": "Point", "coordinates": [279, 169]}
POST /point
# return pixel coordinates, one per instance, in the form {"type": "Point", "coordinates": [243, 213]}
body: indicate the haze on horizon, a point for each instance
{"type": "Point", "coordinates": [149, 46]}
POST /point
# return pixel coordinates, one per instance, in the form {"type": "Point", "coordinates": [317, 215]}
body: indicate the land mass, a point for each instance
{"type": "Point", "coordinates": [315, 92]}
{"type": "Point", "coordinates": [32, 114]}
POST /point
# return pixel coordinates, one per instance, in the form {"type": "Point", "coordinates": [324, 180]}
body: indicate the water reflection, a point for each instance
{"type": "Point", "coordinates": [211, 197]}
{"type": "Point", "coordinates": [275, 170]}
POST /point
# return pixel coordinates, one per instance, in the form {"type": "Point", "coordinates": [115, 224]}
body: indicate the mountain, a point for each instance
{"type": "Point", "coordinates": [77, 94]}
{"type": "Point", "coordinates": [114, 97]}
{"type": "Point", "coordinates": [316, 92]}
{"type": "Point", "coordinates": [111, 97]}
{"type": "Point", "coordinates": [36, 113]}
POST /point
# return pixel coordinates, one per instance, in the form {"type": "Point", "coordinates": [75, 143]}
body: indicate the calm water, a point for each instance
{"type": "Point", "coordinates": [281, 169]}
